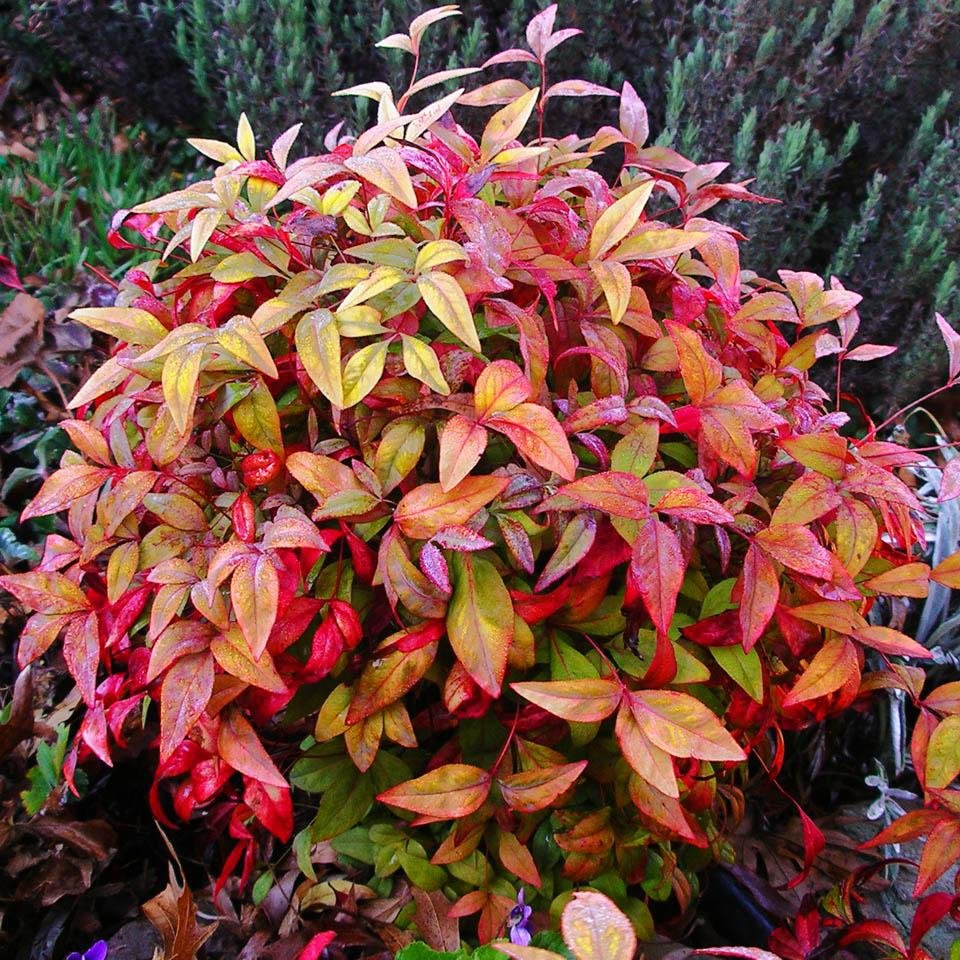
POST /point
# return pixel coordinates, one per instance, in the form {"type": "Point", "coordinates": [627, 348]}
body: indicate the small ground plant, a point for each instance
{"type": "Point", "coordinates": [510, 482]}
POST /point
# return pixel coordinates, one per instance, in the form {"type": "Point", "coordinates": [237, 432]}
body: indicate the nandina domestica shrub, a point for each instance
{"type": "Point", "coordinates": [508, 479]}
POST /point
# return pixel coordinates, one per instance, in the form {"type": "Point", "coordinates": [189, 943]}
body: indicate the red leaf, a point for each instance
{"type": "Point", "coordinates": [950, 481]}
{"type": "Point", "coordinates": [8, 274]}
{"type": "Point", "coordinates": [876, 931]}
{"type": "Point", "coordinates": [656, 571]}
{"type": "Point", "coordinates": [930, 911]}
{"type": "Point", "coordinates": [952, 339]}
{"type": "Point", "coordinates": [318, 943]}
{"type": "Point", "coordinates": [615, 493]}
{"type": "Point", "coordinates": [81, 650]}
{"type": "Point", "coordinates": [759, 593]}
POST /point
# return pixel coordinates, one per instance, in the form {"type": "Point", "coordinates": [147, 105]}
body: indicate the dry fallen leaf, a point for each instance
{"type": "Point", "coordinates": [21, 335]}
{"type": "Point", "coordinates": [174, 915]}
{"type": "Point", "coordinates": [19, 725]}
{"type": "Point", "coordinates": [438, 930]}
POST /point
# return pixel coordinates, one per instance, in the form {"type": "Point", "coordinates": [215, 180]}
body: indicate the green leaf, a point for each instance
{"type": "Point", "coordinates": [344, 804]}
{"type": "Point", "coordinates": [743, 667]}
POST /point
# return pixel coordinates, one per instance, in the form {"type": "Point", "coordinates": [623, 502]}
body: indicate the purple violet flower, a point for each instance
{"type": "Point", "coordinates": [97, 952]}
{"type": "Point", "coordinates": [518, 922]}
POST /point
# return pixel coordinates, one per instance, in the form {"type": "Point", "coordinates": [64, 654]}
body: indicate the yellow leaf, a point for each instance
{"type": "Point", "coordinates": [181, 371]}
{"type": "Point", "coordinates": [479, 624]}
{"type": "Point", "coordinates": [121, 568]}
{"type": "Point", "coordinates": [337, 198]}
{"type": "Point", "coordinates": [656, 244]}
{"type": "Point", "coordinates": [507, 124]}
{"type": "Point", "coordinates": [381, 280]}
{"type": "Point", "coordinates": [384, 168]}
{"type": "Point", "coordinates": [108, 376]}
{"type": "Point", "coordinates": [447, 301]}
{"type": "Point", "coordinates": [614, 280]}
{"type": "Point", "coordinates": [129, 324]}
{"type": "Point", "coordinates": [363, 371]}
{"type": "Point", "coordinates": [421, 362]}
{"type": "Point", "coordinates": [245, 140]}
{"type": "Point", "coordinates": [399, 451]}
{"type": "Point", "coordinates": [618, 220]}
{"type": "Point", "coordinates": [257, 419]}
{"type": "Point", "coordinates": [318, 346]}
{"type": "Point", "coordinates": [204, 223]}
{"type": "Point", "coordinates": [240, 267]}
{"type": "Point", "coordinates": [242, 339]}
{"type": "Point", "coordinates": [438, 252]}
{"type": "Point", "coordinates": [215, 149]}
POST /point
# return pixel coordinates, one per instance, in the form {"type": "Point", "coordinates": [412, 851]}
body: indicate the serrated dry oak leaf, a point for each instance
{"type": "Point", "coordinates": [174, 915]}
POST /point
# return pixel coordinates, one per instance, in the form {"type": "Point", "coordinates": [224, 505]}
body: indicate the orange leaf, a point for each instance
{"type": "Point", "coordinates": [63, 488]}
{"type": "Point", "coordinates": [826, 453]}
{"type": "Point", "coordinates": [480, 620]}
{"type": "Point", "coordinates": [184, 695]}
{"type": "Point", "coordinates": [662, 810]}
{"type": "Point", "coordinates": [386, 679]}
{"type": "Point", "coordinates": [233, 653]}
{"type": "Point", "coordinates": [656, 571]}
{"type": "Point", "coordinates": [462, 443]}
{"type": "Point", "coordinates": [451, 791]}
{"type": "Point", "coordinates": [650, 761]}
{"type": "Point", "coordinates": [941, 851]}
{"type": "Point", "coordinates": [538, 436]}
{"type": "Point", "coordinates": [834, 666]}
{"type": "Point", "coordinates": [906, 580]}
{"type": "Point", "coordinates": [517, 859]}
{"type": "Point", "coordinates": [255, 594]}
{"type": "Point", "coordinates": [945, 698]}
{"type": "Point", "coordinates": [240, 747]}
{"type": "Point", "coordinates": [797, 548]}
{"type": "Point", "coordinates": [532, 790]}
{"type": "Point", "coordinates": [47, 593]}
{"type": "Point", "coordinates": [682, 725]}
{"type": "Point", "coordinates": [832, 614]}
{"type": "Point", "coordinates": [501, 386]}
{"type": "Point", "coordinates": [702, 374]}
{"type": "Point", "coordinates": [891, 642]}
{"type": "Point", "coordinates": [947, 572]}
{"type": "Point", "coordinates": [585, 700]}
{"type": "Point", "coordinates": [427, 509]}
